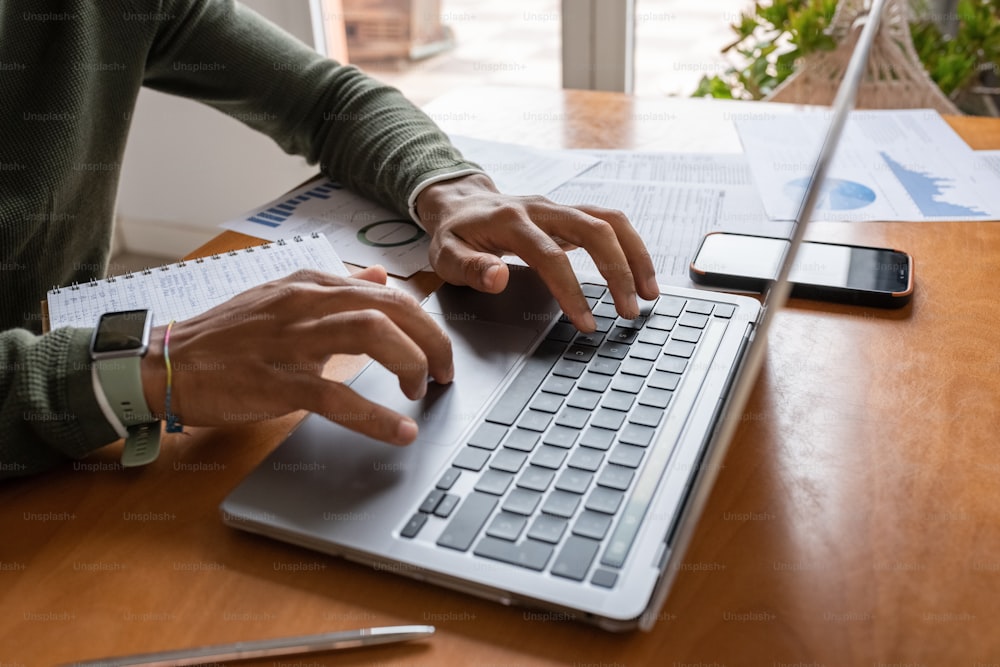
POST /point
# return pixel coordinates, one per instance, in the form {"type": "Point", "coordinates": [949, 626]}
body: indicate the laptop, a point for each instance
{"type": "Point", "coordinates": [561, 471]}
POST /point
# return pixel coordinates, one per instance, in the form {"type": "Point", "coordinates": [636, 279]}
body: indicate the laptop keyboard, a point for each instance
{"type": "Point", "coordinates": [560, 473]}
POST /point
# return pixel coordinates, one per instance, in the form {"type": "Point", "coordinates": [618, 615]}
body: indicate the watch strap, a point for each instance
{"type": "Point", "coordinates": [142, 445]}
{"type": "Point", "coordinates": [121, 380]}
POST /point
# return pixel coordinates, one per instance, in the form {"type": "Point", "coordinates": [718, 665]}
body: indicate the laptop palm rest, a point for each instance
{"type": "Point", "coordinates": [329, 480]}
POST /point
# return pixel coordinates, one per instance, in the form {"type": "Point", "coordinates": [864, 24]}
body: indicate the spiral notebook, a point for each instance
{"type": "Point", "coordinates": [185, 289]}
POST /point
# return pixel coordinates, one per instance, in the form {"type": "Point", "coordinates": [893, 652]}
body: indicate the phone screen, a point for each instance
{"type": "Point", "coordinates": [823, 264]}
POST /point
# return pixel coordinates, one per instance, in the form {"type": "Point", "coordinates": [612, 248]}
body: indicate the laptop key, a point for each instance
{"type": "Point", "coordinates": [645, 351]}
{"type": "Point", "coordinates": [603, 324]}
{"type": "Point", "coordinates": [679, 348]}
{"type": "Point", "coordinates": [686, 334]}
{"type": "Point", "coordinates": [522, 440]}
{"type": "Point", "coordinates": [449, 478]}
{"type": "Point", "coordinates": [575, 557]}
{"type": "Point", "coordinates": [547, 403]}
{"type": "Point", "coordinates": [548, 456]}
{"type": "Point", "coordinates": [592, 524]}
{"type": "Point", "coordinates": [597, 438]}
{"type": "Point", "coordinates": [636, 434]}
{"type": "Point", "coordinates": [522, 501]}
{"type": "Point", "coordinates": [664, 380]}
{"type": "Point", "coordinates": [655, 337]}
{"type": "Point", "coordinates": [638, 367]}
{"type": "Point", "coordinates": [558, 385]}
{"type": "Point", "coordinates": [604, 578]}
{"type": "Point", "coordinates": [535, 478]}
{"type": "Point", "coordinates": [584, 399]}
{"type": "Point", "coordinates": [593, 290]}
{"type": "Point", "coordinates": [525, 385]}
{"type": "Point", "coordinates": [605, 366]}
{"type": "Point", "coordinates": [618, 400]}
{"type": "Point", "coordinates": [582, 353]}
{"type": "Point", "coordinates": [661, 322]}
{"type": "Point", "coordinates": [645, 416]}
{"type": "Point", "coordinates": [613, 350]}
{"type": "Point", "coordinates": [589, 339]}
{"type": "Point", "coordinates": [586, 459]}
{"type": "Point", "coordinates": [628, 383]}
{"type": "Point", "coordinates": [701, 307]}
{"type": "Point", "coordinates": [573, 418]}
{"type": "Point", "coordinates": [488, 436]}
{"type": "Point", "coordinates": [635, 324]}
{"type": "Point", "coordinates": [561, 436]}
{"type": "Point", "coordinates": [414, 525]}
{"type": "Point", "coordinates": [494, 482]}
{"type": "Point", "coordinates": [547, 528]}
{"type": "Point", "coordinates": [609, 419]}
{"type": "Point", "coordinates": [671, 364]}
{"type": "Point", "coordinates": [615, 477]}
{"type": "Point", "coordinates": [431, 501]}
{"type": "Point", "coordinates": [471, 458]}
{"type": "Point", "coordinates": [605, 500]}
{"type": "Point", "coordinates": [606, 310]}
{"type": "Point", "coordinates": [534, 420]}
{"type": "Point", "coordinates": [695, 320]}
{"type": "Point", "coordinates": [529, 553]}
{"type": "Point", "coordinates": [506, 526]}
{"type": "Point", "coordinates": [595, 382]}
{"type": "Point", "coordinates": [562, 332]}
{"type": "Point", "coordinates": [626, 455]}
{"type": "Point", "coordinates": [446, 506]}
{"type": "Point", "coordinates": [561, 503]}
{"type": "Point", "coordinates": [467, 521]}
{"type": "Point", "coordinates": [574, 481]}
{"type": "Point", "coordinates": [655, 397]}
{"type": "Point", "coordinates": [508, 460]}
{"type": "Point", "coordinates": [724, 310]}
{"type": "Point", "coordinates": [670, 306]}
{"type": "Point", "coordinates": [620, 334]}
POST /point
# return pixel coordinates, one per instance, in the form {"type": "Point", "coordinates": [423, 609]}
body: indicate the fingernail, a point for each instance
{"type": "Point", "coordinates": [490, 277]}
{"type": "Point", "coordinates": [406, 431]}
{"type": "Point", "coordinates": [652, 286]}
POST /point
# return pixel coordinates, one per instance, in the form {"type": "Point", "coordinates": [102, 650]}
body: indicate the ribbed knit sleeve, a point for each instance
{"type": "Point", "coordinates": [48, 410]}
{"type": "Point", "coordinates": [362, 133]}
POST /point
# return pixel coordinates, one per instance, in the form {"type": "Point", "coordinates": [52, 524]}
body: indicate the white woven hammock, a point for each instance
{"type": "Point", "coordinates": [895, 77]}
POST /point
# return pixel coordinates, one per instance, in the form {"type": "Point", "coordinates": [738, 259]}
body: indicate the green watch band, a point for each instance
{"type": "Point", "coordinates": [120, 342]}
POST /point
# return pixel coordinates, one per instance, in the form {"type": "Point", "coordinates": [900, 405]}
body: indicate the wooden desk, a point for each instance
{"type": "Point", "coordinates": [856, 521]}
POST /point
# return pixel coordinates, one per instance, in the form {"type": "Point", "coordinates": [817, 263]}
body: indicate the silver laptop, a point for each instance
{"type": "Point", "coordinates": [560, 470]}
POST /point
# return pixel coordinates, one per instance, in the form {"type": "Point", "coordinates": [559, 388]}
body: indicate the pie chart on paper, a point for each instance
{"type": "Point", "coordinates": [836, 195]}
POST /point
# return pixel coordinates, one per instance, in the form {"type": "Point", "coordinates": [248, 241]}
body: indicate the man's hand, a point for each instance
{"type": "Point", "coordinates": [472, 225]}
{"type": "Point", "coordinates": [261, 354]}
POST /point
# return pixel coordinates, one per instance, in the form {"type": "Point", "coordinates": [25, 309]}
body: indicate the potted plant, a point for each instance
{"type": "Point", "coordinates": [962, 59]}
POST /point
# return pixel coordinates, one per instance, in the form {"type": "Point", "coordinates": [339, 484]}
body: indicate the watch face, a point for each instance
{"type": "Point", "coordinates": [121, 332]}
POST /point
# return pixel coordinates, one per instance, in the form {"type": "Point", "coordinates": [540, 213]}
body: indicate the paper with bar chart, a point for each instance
{"type": "Point", "coordinates": [889, 165]}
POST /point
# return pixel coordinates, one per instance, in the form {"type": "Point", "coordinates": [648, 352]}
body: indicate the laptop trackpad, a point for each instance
{"type": "Point", "coordinates": [484, 353]}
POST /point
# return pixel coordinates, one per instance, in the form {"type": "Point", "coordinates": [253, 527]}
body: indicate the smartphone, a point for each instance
{"type": "Point", "coordinates": [859, 275]}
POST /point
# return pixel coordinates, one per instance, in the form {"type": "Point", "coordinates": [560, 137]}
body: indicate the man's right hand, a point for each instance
{"type": "Point", "coordinates": [262, 353]}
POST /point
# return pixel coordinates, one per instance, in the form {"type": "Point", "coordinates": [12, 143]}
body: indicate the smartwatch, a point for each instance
{"type": "Point", "coordinates": [120, 341]}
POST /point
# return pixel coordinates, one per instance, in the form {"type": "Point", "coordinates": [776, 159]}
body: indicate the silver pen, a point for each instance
{"type": "Point", "coordinates": [268, 647]}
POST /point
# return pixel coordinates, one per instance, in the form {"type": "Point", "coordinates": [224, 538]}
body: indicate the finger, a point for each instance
{"type": "Point", "coordinates": [543, 254]}
{"type": "Point", "coordinates": [310, 303]}
{"type": "Point", "coordinates": [459, 264]}
{"type": "Point", "coordinates": [639, 258]}
{"type": "Point", "coordinates": [373, 274]}
{"type": "Point", "coordinates": [371, 332]}
{"type": "Point", "coordinates": [599, 238]}
{"type": "Point", "coordinates": [339, 404]}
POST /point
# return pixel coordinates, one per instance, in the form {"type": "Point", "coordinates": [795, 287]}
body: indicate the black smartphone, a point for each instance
{"type": "Point", "coordinates": [860, 275]}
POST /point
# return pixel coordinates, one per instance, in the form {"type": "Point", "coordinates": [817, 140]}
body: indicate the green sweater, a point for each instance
{"type": "Point", "coordinates": [70, 71]}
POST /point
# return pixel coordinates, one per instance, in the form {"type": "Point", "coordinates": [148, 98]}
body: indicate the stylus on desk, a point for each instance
{"type": "Point", "coordinates": [268, 647]}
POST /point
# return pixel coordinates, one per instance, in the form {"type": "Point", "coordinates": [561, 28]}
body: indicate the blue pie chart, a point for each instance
{"type": "Point", "coordinates": [836, 195]}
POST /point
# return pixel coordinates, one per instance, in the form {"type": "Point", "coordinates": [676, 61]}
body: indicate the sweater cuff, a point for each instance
{"type": "Point", "coordinates": [435, 177]}
{"type": "Point", "coordinates": [92, 425]}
